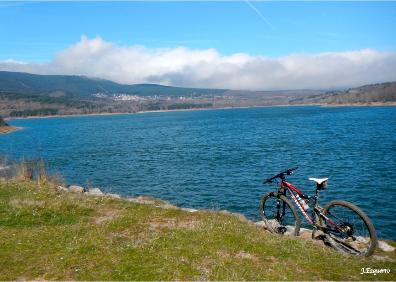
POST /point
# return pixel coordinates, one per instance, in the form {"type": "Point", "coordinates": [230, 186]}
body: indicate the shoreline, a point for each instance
{"type": "Point", "coordinates": [143, 112]}
{"type": "Point", "coordinates": [374, 104]}
{"type": "Point", "coordinates": [165, 204]}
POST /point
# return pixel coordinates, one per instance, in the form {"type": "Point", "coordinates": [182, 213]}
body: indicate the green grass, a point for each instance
{"type": "Point", "coordinates": [45, 234]}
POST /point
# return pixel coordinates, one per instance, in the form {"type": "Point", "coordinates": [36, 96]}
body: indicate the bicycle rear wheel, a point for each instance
{"type": "Point", "coordinates": [279, 215]}
{"type": "Point", "coordinates": [349, 228]}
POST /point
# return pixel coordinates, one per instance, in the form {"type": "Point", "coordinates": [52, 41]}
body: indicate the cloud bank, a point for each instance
{"type": "Point", "coordinates": [209, 69]}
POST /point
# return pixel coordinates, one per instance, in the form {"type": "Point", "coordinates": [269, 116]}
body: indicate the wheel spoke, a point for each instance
{"type": "Point", "coordinates": [349, 228]}
{"type": "Point", "coordinates": [278, 215]}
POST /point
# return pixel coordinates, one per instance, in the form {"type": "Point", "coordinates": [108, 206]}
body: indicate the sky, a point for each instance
{"type": "Point", "coordinates": [239, 44]}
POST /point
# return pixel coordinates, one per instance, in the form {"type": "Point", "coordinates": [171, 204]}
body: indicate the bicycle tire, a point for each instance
{"type": "Point", "coordinates": [271, 195]}
{"type": "Point", "coordinates": [370, 227]}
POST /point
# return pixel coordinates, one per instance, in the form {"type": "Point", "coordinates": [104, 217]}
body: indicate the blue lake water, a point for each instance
{"type": "Point", "coordinates": [218, 158]}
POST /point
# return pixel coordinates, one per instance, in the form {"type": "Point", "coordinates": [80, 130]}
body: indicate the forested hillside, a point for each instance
{"type": "Point", "coordinates": [85, 87]}
{"type": "Point", "coordinates": [374, 93]}
{"type": "Point", "coordinates": [24, 94]}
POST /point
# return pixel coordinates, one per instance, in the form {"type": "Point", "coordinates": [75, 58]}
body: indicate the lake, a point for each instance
{"type": "Point", "coordinates": [217, 159]}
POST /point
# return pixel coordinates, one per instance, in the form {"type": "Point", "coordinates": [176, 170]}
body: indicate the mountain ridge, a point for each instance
{"type": "Point", "coordinates": [24, 94]}
{"type": "Point", "coordinates": [372, 93]}
{"type": "Point", "coordinates": [84, 86]}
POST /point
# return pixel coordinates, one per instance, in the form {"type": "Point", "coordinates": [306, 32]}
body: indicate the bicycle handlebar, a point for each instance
{"type": "Point", "coordinates": [281, 175]}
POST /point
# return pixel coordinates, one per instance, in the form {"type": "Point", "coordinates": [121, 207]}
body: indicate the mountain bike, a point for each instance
{"type": "Point", "coordinates": [340, 224]}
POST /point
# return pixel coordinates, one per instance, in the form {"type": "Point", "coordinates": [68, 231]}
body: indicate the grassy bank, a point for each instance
{"type": "Point", "coordinates": [46, 234]}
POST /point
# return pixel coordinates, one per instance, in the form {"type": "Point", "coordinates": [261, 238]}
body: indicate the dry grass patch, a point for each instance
{"type": "Point", "coordinates": [26, 203]}
{"type": "Point", "coordinates": [106, 216]}
{"type": "Point", "coordinates": [245, 255]}
{"type": "Point", "coordinates": [172, 223]}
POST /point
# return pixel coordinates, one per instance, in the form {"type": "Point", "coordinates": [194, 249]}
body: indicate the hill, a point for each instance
{"type": "Point", "coordinates": [53, 235]}
{"type": "Point", "coordinates": [82, 86]}
{"type": "Point", "coordinates": [374, 93]}
{"type": "Point", "coordinates": [24, 94]}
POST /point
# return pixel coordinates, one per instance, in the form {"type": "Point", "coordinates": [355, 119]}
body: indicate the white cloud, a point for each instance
{"type": "Point", "coordinates": [208, 68]}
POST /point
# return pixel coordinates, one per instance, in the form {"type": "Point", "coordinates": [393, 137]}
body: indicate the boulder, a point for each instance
{"type": "Point", "coordinates": [238, 215]}
{"type": "Point", "coordinates": [260, 224]}
{"type": "Point", "coordinates": [270, 225]}
{"type": "Point", "coordinates": [116, 196]}
{"type": "Point", "coordinates": [62, 189]}
{"type": "Point", "coordinates": [189, 210]}
{"type": "Point", "coordinates": [152, 201]}
{"type": "Point", "coordinates": [95, 192]}
{"type": "Point", "coordinates": [385, 246]}
{"type": "Point", "coordinates": [76, 189]}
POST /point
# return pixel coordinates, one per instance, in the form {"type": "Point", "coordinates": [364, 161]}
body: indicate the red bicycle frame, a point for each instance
{"type": "Point", "coordinates": [291, 188]}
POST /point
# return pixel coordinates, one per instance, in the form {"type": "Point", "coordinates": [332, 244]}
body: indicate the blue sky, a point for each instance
{"type": "Point", "coordinates": [238, 44]}
{"type": "Point", "coordinates": [36, 31]}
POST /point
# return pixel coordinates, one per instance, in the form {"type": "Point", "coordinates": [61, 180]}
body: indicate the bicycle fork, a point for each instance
{"type": "Point", "coordinates": [281, 229]}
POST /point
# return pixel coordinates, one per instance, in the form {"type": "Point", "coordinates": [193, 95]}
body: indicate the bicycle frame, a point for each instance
{"type": "Point", "coordinates": [316, 211]}
{"type": "Point", "coordinates": [286, 186]}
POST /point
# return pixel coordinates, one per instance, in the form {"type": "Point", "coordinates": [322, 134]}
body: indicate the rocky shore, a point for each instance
{"type": "Point", "coordinates": [305, 233]}
{"type": "Point", "coordinates": [140, 199]}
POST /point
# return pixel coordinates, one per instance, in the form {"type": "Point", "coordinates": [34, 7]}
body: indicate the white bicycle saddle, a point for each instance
{"type": "Point", "coordinates": [318, 180]}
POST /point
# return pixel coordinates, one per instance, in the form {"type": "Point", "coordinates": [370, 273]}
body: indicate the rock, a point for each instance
{"type": "Point", "coordinates": [76, 189]}
{"type": "Point", "coordinates": [189, 210]}
{"type": "Point", "coordinates": [304, 232]}
{"type": "Point", "coordinates": [116, 196]}
{"type": "Point", "coordinates": [270, 225]}
{"type": "Point", "coordinates": [238, 215]}
{"type": "Point", "coordinates": [385, 246]}
{"type": "Point", "coordinates": [260, 224]}
{"type": "Point", "coordinates": [95, 192]}
{"type": "Point", "coordinates": [152, 201]}
{"type": "Point", "coordinates": [62, 189]}
{"type": "Point", "coordinates": [362, 240]}
{"type": "Point", "coordinates": [289, 229]}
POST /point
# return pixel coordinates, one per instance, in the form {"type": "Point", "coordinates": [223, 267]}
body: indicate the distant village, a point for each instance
{"type": "Point", "coordinates": [136, 98]}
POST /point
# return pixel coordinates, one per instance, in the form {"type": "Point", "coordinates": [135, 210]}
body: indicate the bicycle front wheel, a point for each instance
{"type": "Point", "coordinates": [349, 228]}
{"type": "Point", "coordinates": [279, 215]}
